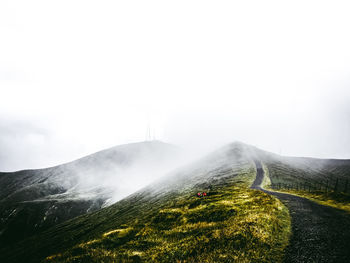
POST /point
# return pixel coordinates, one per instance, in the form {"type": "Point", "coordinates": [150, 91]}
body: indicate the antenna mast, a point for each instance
{"type": "Point", "coordinates": [150, 131]}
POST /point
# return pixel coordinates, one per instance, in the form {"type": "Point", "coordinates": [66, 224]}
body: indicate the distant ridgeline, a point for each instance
{"type": "Point", "coordinates": [309, 174]}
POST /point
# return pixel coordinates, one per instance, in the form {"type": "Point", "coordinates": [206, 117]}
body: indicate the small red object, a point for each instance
{"type": "Point", "coordinates": [204, 193]}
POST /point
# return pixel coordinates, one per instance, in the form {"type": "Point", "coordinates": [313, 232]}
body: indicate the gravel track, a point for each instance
{"type": "Point", "coordinates": [319, 233]}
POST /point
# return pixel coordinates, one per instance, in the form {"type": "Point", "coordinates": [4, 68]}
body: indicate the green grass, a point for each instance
{"type": "Point", "coordinates": [233, 223]}
{"type": "Point", "coordinates": [277, 172]}
{"type": "Point", "coordinates": [334, 199]}
{"type": "Point", "coordinates": [166, 222]}
{"type": "Point", "coordinates": [307, 172]}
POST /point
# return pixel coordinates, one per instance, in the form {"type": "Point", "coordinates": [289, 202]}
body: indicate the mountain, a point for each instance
{"type": "Point", "coordinates": [34, 200]}
{"type": "Point", "coordinates": [155, 204]}
{"type": "Point", "coordinates": [166, 221]}
{"type": "Point", "coordinates": [305, 172]}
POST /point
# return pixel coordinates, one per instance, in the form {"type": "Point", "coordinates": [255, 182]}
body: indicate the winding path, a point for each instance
{"type": "Point", "coordinates": [319, 233]}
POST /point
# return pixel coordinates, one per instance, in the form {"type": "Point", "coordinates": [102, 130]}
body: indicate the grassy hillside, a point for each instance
{"type": "Point", "coordinates": [232, 223]}
{"type": "Point", "coordinates": [334, 199]}
{"type": "Point", "coordinates": [324, 181]}
{"type": "Point", "coordinates": [316, 173]}
{"type": "Point", "coordinates": [167, 222]}
{"type": "Point", "coordinates": [32, 201]}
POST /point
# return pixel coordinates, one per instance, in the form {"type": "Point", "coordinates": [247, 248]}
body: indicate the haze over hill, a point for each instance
{"type": "Point", "coordinates": [33, 200]}
{"type": "Point", "coordinates": [78, 77]}
{"type": "Point", "coordinates": [214, 171]}
{"type": "Point", "coordinates": [270, 73]}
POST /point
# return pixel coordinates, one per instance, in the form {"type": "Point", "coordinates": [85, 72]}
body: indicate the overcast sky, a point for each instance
{"type": "Point", "coordinates": [81, 76]}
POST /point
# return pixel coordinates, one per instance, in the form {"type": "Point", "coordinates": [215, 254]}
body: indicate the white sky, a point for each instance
{"type": "Point", "coordinates": [80, 76]}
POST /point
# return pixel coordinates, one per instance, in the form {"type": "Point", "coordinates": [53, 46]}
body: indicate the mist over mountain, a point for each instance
{"type": "Point", "coordinates": [174, 131]}
{"type": "Point", "coordinates": [212, 171]}
{"type": "Point", "coordinates": [33, 200]}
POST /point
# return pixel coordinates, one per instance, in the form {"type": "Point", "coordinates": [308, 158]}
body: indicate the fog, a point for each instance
{"type": "Point", "coordinates": [77, 77]}
{"type": "Point", "coordinates": [117, 172]}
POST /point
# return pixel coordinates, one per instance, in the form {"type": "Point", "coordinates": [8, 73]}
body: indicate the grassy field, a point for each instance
{"type": "Point", "coordinates": [334, 199]}
{"type": "Point", "coordinates": [333, 175]}
{"type": "Point", "coordinates": [233, 223]}
{"type": "Point", "coordinates": [167, 222]}
{"type": "Point", "coordinates": [296, 180]}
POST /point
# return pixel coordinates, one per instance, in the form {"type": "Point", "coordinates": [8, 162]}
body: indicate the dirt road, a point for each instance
{"type": "Point", "coordinates": [319, 233]}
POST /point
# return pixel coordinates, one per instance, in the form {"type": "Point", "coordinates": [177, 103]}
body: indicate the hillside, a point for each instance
{"type": "Point", "coordinates": [167, 222]}
{"type": "Point", "coordinates": [307, 173]}
{"type": "Point", "coordinates": [326, 181]}
{"type": "Point", "coordinates": [34, 200]}
{"type": "Point", "coordinates": [165, 218]}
